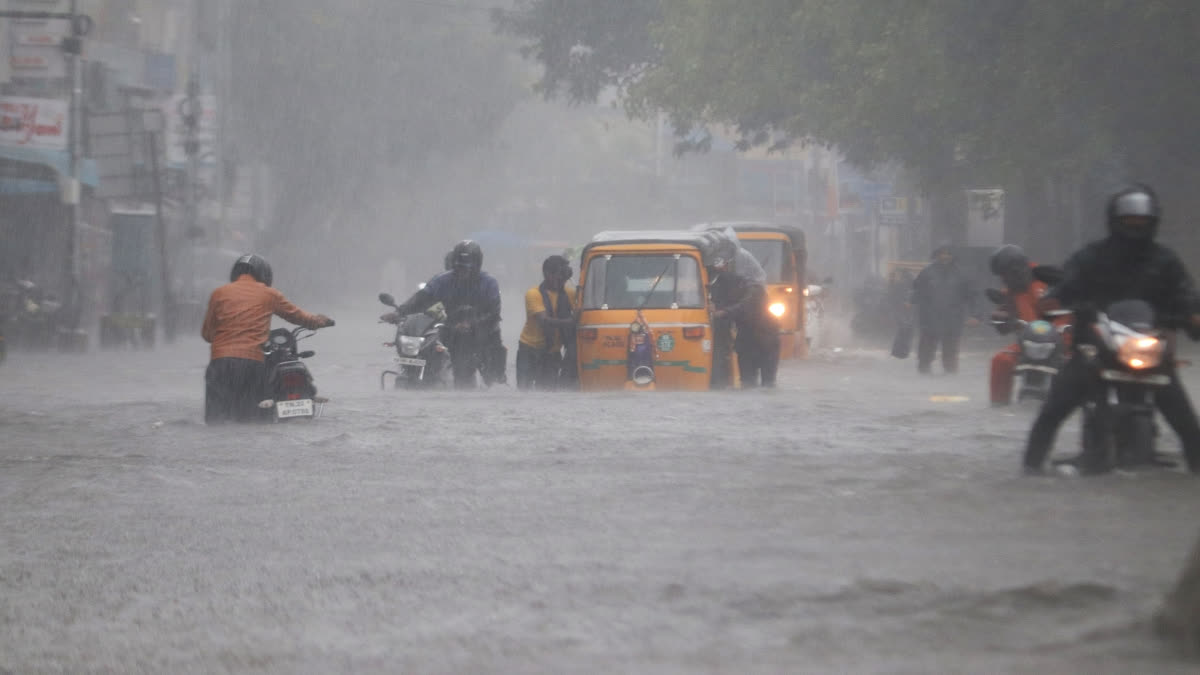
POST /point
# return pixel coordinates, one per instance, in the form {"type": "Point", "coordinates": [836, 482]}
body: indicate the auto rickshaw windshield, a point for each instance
{"type": "Point", "coordinates": [643, 282]}
{"type": "Point", "coordinates": [775, 257]}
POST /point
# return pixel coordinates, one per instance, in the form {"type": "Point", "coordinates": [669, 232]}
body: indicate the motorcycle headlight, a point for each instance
{"type": "Point", "coordinates": [1141, 352]}
{"type": "Point", "coordinates": [778, 309]}
{"type": "Point", "coordinates": [1037, 351]}
{"type": "Point", "coordinates": [410, 345]}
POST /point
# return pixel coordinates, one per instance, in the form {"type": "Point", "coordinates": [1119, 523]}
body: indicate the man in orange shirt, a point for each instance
{"type": "Point", "coordinates": [237, 324]}
{"type": "Point", "coordinates": [1011, 264]}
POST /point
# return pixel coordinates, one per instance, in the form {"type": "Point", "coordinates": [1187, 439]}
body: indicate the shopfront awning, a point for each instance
{"type": "Point", "coordinates": [14, 180]}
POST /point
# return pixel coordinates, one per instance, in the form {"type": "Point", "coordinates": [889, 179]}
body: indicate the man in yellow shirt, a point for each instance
{"type": "Point", "coordinates": [546, 353]}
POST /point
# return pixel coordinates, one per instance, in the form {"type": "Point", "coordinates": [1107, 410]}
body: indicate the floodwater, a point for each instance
{"type": "Point", "coordinates": [858, 519]}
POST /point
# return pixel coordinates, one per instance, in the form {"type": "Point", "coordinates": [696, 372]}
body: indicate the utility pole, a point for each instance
{"type": "Point", "coordinates": [73, 46]}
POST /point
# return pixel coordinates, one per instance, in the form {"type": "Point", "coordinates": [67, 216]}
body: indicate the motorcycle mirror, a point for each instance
{"type": "Point", "coordinates": [1048, 274]}
{"type": "Point", "coordinates": [995, 295]}
{"type": "Point", "coordinates": [387, 299]}
{"type": "Point", "coordinates": [307, 354]}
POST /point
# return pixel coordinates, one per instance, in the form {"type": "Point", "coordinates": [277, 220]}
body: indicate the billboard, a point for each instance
{"type": "Point", "coordinates": [985, 217]}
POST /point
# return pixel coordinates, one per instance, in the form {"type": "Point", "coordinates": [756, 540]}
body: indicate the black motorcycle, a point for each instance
{"type": "Point", "coordinates": [1130, 359]}
{"type": "Point", "coordinates": [289, 382]}
{"type": "Point", "coordinates": [1041, 349]}
{"type": "Point", "coordinates": [422, 358]}
{"type": "Point", "coordinates": [28, 317]}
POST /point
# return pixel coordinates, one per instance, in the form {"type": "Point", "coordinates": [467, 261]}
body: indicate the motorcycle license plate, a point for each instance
{"type": "Point", "coordinates": [419, 363]}
{"type": "Point", "coordinates": [298, 408]}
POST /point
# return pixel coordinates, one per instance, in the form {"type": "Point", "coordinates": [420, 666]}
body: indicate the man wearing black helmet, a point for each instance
{"type": "Point", "coordinates": [1021, 294]}
{"type": "Point", "coordinates": [1126, 265]}
{"type": "Point", "coordinates": [466, 284]}
{"type": "Point", "coordinates": [236, 324]}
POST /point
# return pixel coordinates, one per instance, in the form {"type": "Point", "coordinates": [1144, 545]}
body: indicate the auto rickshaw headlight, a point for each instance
{"type": "Point", "coordinates": [778, 309]}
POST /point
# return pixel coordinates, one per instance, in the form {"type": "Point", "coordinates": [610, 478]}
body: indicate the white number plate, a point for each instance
{"type": "Point", "coordinates": [420, 363]}
{"type": "Point", "coordinates": [299, 408]}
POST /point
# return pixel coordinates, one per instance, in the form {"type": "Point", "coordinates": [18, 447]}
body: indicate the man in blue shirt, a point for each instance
{"type": "Point", "coordinates": [471, 298]}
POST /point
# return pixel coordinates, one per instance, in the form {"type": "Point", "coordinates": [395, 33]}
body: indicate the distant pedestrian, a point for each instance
{"type": "Point", "coordinates": [944, 300]}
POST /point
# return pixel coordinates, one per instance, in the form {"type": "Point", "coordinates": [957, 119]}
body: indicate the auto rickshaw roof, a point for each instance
{"type": "Point", "coordinates": [795, 234]}
{"type": "Point", "coordinates": [705, 241]}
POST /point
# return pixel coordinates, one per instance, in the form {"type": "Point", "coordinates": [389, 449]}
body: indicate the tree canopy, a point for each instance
{"type": "Point", "coordinates": [935, 84]}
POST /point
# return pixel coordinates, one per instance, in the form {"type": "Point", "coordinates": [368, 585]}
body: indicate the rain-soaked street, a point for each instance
{"type": "Point", "coordinates": [858, 519]}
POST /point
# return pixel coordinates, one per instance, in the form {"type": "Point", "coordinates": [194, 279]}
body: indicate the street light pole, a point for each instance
{"type": "Point", "coordinates": [74, 137]}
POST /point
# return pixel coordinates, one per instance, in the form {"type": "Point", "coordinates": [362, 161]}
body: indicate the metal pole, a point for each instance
{"type": "Point", "coordinates": [74, 191]}
{"type": "Point", "coordinates": [169, 311]}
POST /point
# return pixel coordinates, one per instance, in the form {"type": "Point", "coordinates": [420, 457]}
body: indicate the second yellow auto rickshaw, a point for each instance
{"type": "Point", "coordinates": [644, 312]}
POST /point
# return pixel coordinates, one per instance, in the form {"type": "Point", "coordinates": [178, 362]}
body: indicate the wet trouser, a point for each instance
{"type": "Point", "coordinates": [948, 335]}
{"type": "Point", "coordinates": [529, 365]}
{"type": "Point", "coordinates": [722, 367]}
{"type": "Point", "coordinates": [492, 354]}
{"type": "Point", "coordinates": [542, 369]}
{"type": "Point", "coordinates": [1069, 390]}
{"type": "Point", "coordinates": [232, 390]}
{"type": "Point", "coordinates": [495, 359]}
{"type": "Point", "coordinates": [1004, 367]}
{"type": "Point", "coordinates": [758, 356]}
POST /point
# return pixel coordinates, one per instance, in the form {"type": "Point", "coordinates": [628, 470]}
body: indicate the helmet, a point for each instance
{"type": "Point", "coordinates": [254, 265]}
{"type": "Point", "coordinates": [467, 255]}
{"type": "Point", "coordinates": [1007, 259]}
{"type": "Point", "coordinates": [1133, 213]}
{"type": "Point", "coordinates": [449, 262]}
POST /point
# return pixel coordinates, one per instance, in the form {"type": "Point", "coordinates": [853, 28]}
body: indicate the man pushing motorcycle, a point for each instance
{"type": "Point", "coordinates": [465, 287]}
{"type": "Point", "coordinates": [236, 324]}
{"type": "Point", "coordinates": [1127, 265]}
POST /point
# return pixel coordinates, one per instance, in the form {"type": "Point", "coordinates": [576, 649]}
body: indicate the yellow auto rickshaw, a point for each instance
{"type": "Point", "coordinates": [781, 252]}
{"type": "Point", "coordinates": [644, 311]}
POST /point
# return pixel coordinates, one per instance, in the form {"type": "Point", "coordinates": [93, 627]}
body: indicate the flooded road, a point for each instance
{"type": "Point", "coordinates": [858, 519]}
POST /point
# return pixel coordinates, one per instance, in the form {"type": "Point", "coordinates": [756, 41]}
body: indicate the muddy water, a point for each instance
{"type": "Point", "coordinates": [858, 519]}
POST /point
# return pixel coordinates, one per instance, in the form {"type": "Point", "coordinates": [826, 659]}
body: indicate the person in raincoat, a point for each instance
{"type": "Point", "coordinates": [737, 285]}
{"type": "Point", "coordinates": [944, 300]}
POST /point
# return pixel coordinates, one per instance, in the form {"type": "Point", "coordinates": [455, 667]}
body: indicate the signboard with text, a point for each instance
{"type": "Point", "coordinates": [33, 122]}
{"type": "Point", "coordinates": [34, 49]}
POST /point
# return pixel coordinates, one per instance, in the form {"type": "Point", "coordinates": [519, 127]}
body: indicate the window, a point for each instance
{"type": "Point", "coordinates": [645, 281]}
{"type": "Point", "coordinates": [775, 256]}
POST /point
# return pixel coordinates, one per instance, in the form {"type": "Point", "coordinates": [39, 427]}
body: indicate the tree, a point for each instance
{"type": "Point", "coordinates": [1015, 92]}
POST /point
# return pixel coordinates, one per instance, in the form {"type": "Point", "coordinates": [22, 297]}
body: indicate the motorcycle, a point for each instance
{"type": "Point", "coordinates": [1130, 360]}
{"type": "Point", "coordinates": [289, 382]}
{"type": "Point", "coordinates": [422, 358]}
{"type": "Point", "coordinates": [29, 318]}
{"type": "Point", "coordinates": [1042, 351]}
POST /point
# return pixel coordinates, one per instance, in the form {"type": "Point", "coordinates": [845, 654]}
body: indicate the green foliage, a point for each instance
{"type": "Point", "coordinates": [943, 86]}
{"type": "Point", "coordinates": [585, 46]}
